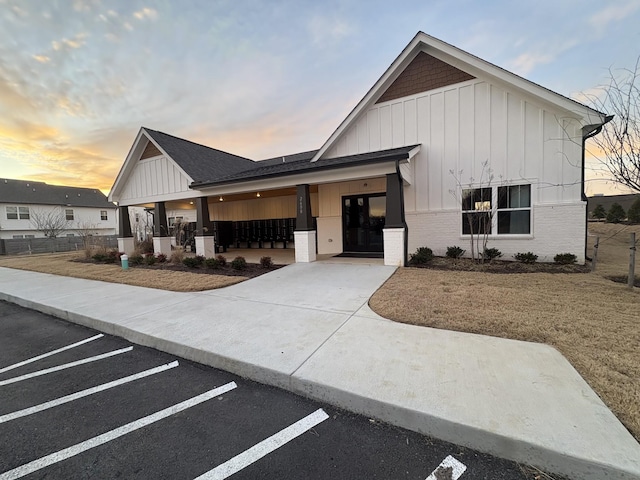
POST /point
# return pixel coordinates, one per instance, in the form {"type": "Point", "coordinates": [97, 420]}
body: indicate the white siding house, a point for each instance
{"type": "Point", "coordinates": [440, 140]}
{"type": "Point", "coordinates": [23, 202]}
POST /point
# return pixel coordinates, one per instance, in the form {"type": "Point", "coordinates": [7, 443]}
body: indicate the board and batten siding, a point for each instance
{"type": "Point", "coordinates": [463, 125]}
{"type": "Point", "coordinates": [154, 177]}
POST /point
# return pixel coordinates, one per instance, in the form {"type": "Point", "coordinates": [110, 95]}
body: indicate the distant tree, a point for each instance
{"type": "Point", "coordinates": [50, 222]}
{"type": "Point", "coordinates": [620, 138]}
{"type": "Point", "coordinates": [599, 212]}
{"type": "Point", "coordinates": [633, 215]}
{"type": "Point", "coordinates": [616, 213]}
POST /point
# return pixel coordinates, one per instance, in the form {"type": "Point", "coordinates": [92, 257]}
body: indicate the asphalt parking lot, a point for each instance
{"type": "Point", "coordinates": [78, 404]}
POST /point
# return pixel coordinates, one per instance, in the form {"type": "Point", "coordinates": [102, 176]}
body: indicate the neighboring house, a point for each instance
{"type": "Point", "coordinates": [408, 167]}
{"type": "Point", "coordinates": [84, 210]}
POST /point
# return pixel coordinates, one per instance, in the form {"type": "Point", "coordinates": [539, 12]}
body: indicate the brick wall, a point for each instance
{"type": "Point", "coordinates": [424, 73]}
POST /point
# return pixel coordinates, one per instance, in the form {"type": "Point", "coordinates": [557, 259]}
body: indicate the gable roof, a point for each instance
{"type": "Point", "coordinates": [464, 62]}
{"type": "Point", "coordinates": [40, 193]}
{"type": "Point", "coordinates": [199, 161]}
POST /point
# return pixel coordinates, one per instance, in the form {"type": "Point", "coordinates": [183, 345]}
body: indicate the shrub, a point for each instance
{"type": "Point", "coordinates": [212, 263]}
{"type": "Point", "coordinates": [191, 262]}
{"type": "Point", "coordinates": [616, 213]}
{"type": "Point", "coordinates": [200, 259]}
{"type": "Point", "coordinates": [528, 257]}
{"type": "Point", "coordinates": [239, 263]}
{"type": "Point", "coordinates": [99, 257]}
{"type": "Point", "coordinates": [222, 260]}
{"type": "Point", "coordinates": [145, 246]}
{"type": "Point", "coordinates": [491, 253]}
{"type": "Point", "coordinates": [565, 258]}
{"type": "Point", "coordinates": [633, 215]}
{"type": "Point", "coordinates": [112, 256]}
{"type": "Point", "coordinates": [177, 256]}
{"type": "Point", "coordinates": [149, 259]}
{"type": "Point", "coordinates": [423, 255]}
{"type": "Point", "coordinates": [162, 258]}
{"type": "Point", "coordinates": [136, 259]}
{"type": "Point", "coordinates": [266, 262]}
{"type": "Point", "coordinates": [455, 252]}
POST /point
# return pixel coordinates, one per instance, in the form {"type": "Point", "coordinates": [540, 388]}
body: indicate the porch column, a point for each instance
{"type": "Point", "coordinates": [395, 228]}
{"type": "Point", "coordinates": [305, 234]}
{"type": "Point", "coordinates": [205, 241]}
{"type": "Point", "coordinates": [161, 239]}
{"type": "Point", "coordinates": [126, 242]}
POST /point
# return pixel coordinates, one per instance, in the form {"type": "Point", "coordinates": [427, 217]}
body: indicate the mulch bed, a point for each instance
{"type": "Point", "coordinates": [500, 266]}
{"type": "Point", "coordinates": [624, 278]}
{"type": "Point", "coordinates": [252, 270]}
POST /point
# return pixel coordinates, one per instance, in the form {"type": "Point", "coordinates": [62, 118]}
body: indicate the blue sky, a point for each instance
{"type": "Point", "coordinates": [256, 78]}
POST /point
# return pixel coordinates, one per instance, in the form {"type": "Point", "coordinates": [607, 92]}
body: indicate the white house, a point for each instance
{"type": "Point", "coordinates": [443, 137]}
{"type": "Point", "coordinates": [23, 203]}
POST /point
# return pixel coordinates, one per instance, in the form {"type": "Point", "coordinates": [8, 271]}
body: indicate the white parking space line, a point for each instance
{"type": "Point", "coordinates": [450, 468]}
{"type": "Point", "coordinates": [64, 366]}
{"type": "Point", "coordinates": [48, 354]}
{"type": "Point", "coordinates": [85, 393]}
{"type": "Point", "coordinates": [265, 447]}
{"type": "Point", "coordinates": [56, 457]}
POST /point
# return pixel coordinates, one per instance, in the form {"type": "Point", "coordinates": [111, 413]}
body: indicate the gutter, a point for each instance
{"type": "Point", "coordinates": [404, 222]}
{"type": "Point", "coordinates": [589, 131]}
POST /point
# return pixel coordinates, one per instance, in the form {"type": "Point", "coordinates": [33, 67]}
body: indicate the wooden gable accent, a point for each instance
{"type": "Point", "coordinates": [422, 74]}
{"type": "Point", "coordinates": [150, 151]}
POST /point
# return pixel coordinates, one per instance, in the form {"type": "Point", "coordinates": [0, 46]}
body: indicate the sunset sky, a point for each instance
{"type": "Point", "coordinates": [257, 78]}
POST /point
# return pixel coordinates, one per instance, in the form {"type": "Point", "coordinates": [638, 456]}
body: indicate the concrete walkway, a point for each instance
{"type": "Point", "coordinates": [307, 328]}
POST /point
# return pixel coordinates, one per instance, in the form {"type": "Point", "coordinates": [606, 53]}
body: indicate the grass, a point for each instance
{"type": "Point", "coordinates": [592, 321]}
{"type": "Point", "coordinates": [63, 264]}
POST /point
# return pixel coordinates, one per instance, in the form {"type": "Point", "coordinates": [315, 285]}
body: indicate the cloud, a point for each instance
{"type": "Point", "coordinates": [328, 30]}
{"type": "Point", "coordinates": [41, 58]}
{"type": "Point", "coordinates": [612, 13]}
{"type": "Point", "coordinates": [69, 44]}
{"type": "Point", "coordinates": [526, 62]}
{"type": "Point", "coordinates": [146, 13]}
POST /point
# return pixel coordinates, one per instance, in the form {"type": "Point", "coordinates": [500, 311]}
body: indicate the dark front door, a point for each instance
{"type": "Point", "coordinates": [363, 218]}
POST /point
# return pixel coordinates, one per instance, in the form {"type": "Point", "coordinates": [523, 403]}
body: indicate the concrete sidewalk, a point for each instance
{"type": "Point", "coordinates": [307, 328]}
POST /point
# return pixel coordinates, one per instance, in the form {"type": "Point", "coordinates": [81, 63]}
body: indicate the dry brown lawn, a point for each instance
{"type": "Point", "coordinates": [593, 321]}
{"type": "Point", "coordinates": [63, 264]}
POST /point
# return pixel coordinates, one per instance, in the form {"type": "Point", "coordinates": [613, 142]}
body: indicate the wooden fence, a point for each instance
{"type": "Point", "coordinates": [23, 246]}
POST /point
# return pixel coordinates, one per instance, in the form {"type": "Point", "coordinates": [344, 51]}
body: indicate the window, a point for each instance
{"type": "Point", "coordinates": [103, 215]}
{"type": "Point", "coordinates": [514, 210]}
{"type": "Point", "coordinates": [70, 235]}
{"type": "Point", "coordinates": [476, 211]}
{"type": "Point", "coordinates": [18, 236]}
{"type": "Point", "coordinates": [12, 213]}
{"type": "Point", "coordinates": [23, 213]}
{"type": "Point", "coordinates": [69, 213]}
{"type": "Point", "coordinates": [29, 236]}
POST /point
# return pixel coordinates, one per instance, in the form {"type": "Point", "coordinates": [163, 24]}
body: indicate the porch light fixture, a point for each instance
{"type": "Point", "coordinates": [221, 199]}
{"type": "Point", "coordinates": [258, 194]}
{"type": "Point", "coordinates": [190, 203]}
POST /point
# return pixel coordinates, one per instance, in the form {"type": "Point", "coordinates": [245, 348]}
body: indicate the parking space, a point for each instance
{"type": "Point", "coordinates": [118, 410]}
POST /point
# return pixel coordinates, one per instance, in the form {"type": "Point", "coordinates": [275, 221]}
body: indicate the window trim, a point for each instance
{"type": "Point", "coordinates": [22, 215]}
{"type": "Point", "coordinates": [7, 208]}
{"type": "Point", "coordinates": [104, 216]}
{"type": "Point", "coordinates": [67, 214]}
{"type": "Point", "coordinates": [495, 211]}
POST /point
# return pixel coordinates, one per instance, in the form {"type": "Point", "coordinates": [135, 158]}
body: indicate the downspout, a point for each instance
{"type": "Point", "coordinates": [404, 223]}
{"type": "Point", "coordinates": [589, 131]}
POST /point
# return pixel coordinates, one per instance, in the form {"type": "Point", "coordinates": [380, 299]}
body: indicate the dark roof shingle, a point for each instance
{"type": "Point", "coordinates": [40, 193]}
{"type": "Point", "coordinates": [198, 161]}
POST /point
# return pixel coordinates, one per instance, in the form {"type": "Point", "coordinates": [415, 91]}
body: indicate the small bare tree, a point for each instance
{"type": "Point", "coordinates": [50, 222]}
{"type": "Point", "coordinates": [85, 231]}
{"type": "Point", "coordinates": [620, 138]}
{"type": "Point", "coordinates": [477, 208]}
